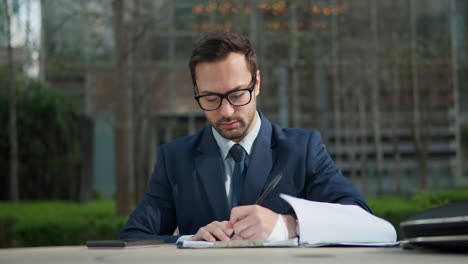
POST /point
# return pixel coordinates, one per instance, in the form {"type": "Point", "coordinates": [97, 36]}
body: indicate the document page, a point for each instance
{"type": "Point", "coordinates": [322, 224]}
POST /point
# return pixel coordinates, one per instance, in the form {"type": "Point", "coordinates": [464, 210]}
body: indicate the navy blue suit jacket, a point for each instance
{"type": "Point", "coordinates": [187, 186]}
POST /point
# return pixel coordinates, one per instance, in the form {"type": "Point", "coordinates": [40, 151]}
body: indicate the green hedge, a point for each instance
{"type": "Point", "coordinates": [49, 143]}
{"type": "Point", "coordinates": [67, 223]}
{"type": "Point", "coordinates": [57, 223]}
{"type": "Point", "coordinates": [398, 209]}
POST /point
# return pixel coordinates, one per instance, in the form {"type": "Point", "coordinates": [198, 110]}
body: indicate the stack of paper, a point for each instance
{"type": "Point", "coordinates": [336, 224]}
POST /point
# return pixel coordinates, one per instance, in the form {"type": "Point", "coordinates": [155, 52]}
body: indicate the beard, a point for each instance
{"type": "Point", "coordinates": [236, 133]}
{"type": "Point", "coordinates": [232, 134]}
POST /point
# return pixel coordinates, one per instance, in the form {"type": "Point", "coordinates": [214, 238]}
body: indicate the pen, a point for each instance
{"type": "Point", "coordinates": [265, 193]}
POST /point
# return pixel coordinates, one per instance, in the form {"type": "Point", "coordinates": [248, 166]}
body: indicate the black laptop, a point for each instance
{"type": "Point", "coordinates": [444, 228]}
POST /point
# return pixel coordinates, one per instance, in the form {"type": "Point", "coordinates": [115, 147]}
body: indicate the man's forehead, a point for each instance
{"type": "Point", "coordinates": [222, 74]}
{"type": "Point", "coordinates": [222, 86]}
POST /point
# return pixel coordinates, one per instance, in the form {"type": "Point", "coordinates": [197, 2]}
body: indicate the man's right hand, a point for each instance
{"type": "Point", "coordinates": [214, 231]}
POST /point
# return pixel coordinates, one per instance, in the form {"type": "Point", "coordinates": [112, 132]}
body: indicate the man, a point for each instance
{"type": "Point", "coordinates": [207, 184]}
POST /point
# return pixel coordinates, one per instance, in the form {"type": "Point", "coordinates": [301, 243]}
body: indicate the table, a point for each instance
{"type": "Point", "coordinates": [168, 253]}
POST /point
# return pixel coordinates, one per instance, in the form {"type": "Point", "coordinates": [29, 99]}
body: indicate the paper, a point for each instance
{"type": "Point", "coordinates": [322, 224]}
{"type": "Point", "coordinates": [239, 244]}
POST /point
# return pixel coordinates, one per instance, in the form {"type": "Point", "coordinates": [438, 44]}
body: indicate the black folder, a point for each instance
{"type": "Point", "coordinates": [120, 244]}
{"type": "Point", "coordinates": [444, 228]}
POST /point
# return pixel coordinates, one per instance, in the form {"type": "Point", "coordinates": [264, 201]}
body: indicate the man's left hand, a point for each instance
{"type": "Point", "coordinates": [253, 222]}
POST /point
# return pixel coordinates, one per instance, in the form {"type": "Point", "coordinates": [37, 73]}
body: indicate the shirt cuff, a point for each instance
{"type": "Point", "coordinates": [183, 238]}
{"type": "Point", "coordinates": [280, 231]}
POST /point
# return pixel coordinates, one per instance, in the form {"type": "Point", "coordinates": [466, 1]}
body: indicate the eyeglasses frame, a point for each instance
{"type": "Point", "coordinates": [226, 95]}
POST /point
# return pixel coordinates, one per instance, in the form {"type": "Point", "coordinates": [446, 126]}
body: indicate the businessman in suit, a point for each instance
{"type": "Point", "coordinates": [207, 184]}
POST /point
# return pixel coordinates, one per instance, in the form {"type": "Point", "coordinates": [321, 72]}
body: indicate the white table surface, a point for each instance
{"type": "Point", "coordinates": [168, 253]}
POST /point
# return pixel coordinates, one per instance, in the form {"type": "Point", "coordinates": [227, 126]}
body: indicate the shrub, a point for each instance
{"type": "Point", "coordinates": [53, 223]}
{"type": "Point", "coordinates": [48, 131]}
{"type": "Point", "coordinates": [57, 223]}
{"type": "Point", "coordinates": [398, 209]}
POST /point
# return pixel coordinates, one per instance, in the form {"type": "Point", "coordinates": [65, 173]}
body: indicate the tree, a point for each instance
{"type": "Point", "coordinates": [337, 118]}
{"type": "Point", "coordinates": [13, 173]}
{"type": "Point", "coordinates": [122, 124]}
{"type": "Point", "coordinates": [375, 87]}
{"type": "Point", "coordinates": [395, 90]}
{"type": "Point", "coordinates": [456, 88]}
{"type": "Point", "coordinates": [143, 81]}
{"type": "Point", "coordinates": [420, 136]}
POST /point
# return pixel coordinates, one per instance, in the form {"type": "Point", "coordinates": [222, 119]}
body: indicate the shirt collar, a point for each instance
{"type": "Point", "coordinates": [247, 142]}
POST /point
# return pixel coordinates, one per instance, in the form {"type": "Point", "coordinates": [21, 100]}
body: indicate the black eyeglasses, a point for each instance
{"type": "Point", "coordinates": [212, 101]}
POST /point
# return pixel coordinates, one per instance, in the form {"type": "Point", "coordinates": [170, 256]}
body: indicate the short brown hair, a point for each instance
{"type": "Point", "coordinates": [216, 45]}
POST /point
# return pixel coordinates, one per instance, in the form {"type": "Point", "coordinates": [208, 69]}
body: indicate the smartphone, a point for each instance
{"type": "Point", "coordinates": [120, 244]}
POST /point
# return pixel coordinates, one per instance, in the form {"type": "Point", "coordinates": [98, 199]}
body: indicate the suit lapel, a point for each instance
{"type": "Point", "coordinates": [260, 164]}
{"type": "Point", "coordinates": [211, 172]}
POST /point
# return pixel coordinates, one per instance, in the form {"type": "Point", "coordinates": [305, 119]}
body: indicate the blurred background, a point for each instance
{"type": "Point", "coordinates": [90, 89]}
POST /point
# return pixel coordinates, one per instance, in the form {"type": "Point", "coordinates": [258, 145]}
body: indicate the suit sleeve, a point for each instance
{"type": "Point", "coordinates": [154, 217]}
{"type": "Point", "coordinates": [325, 182]}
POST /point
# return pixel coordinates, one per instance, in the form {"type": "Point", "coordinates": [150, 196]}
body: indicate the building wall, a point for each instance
{"type": "Point", "coordinates": [320, 65]}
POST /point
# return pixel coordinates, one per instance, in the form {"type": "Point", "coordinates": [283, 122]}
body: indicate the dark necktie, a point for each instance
{"type": "Point", "coordinates": [237, 181]}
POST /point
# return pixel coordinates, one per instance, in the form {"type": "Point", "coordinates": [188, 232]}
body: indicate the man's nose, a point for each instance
{"type": "Point", "coordinates": [226, 108]}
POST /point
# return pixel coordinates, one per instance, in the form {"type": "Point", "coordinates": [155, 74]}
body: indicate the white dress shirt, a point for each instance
{"type": "Point", "coordinates": [280, 232]}
{"type": "Point", "coordinates": [224, 147]}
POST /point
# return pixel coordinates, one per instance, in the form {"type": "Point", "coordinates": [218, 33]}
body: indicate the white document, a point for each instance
{"type": "Point", "coordinates": [322, 224]}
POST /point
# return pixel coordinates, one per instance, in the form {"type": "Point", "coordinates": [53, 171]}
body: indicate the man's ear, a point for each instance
{"type": "Point", "coordinates": [257, 84]}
